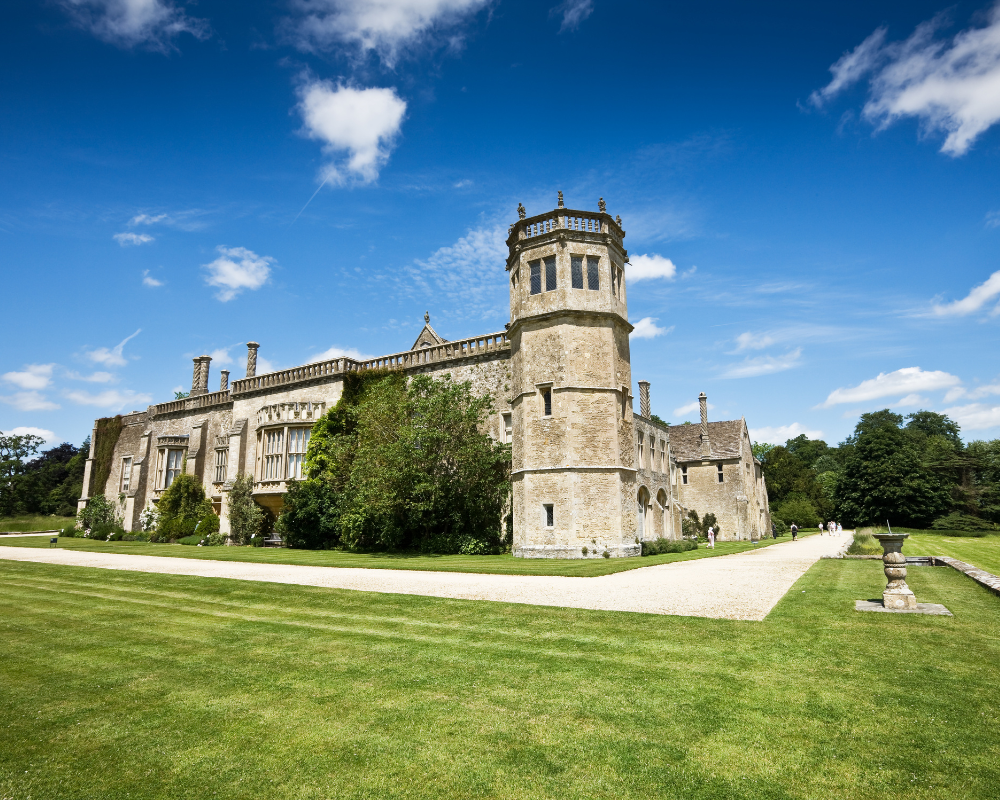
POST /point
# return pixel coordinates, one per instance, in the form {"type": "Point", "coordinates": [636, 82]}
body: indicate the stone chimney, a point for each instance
{"type": "Point", "coordinates": [224, 380]}
{"type": "Point", "coordinates": [252, 348]}
{"type": "Point", "coordinates": [199, 378]}
{"type": "Point", "coordinates": [706, 445]}
{"type": "Point", "coordinates": [644, 398]}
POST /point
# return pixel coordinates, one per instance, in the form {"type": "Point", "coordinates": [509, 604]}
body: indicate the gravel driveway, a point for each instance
{"type": "Point", "coordinates": [740, 586]}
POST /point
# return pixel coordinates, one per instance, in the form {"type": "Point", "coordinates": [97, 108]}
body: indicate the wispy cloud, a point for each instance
{"type": "Point", "coordinates": [992, 219]}
{"type": "Point", "coordinates": [148, 219]}
{"type": "Point", "coordinates": [29, 401]}
{"type": "Point", "coordinates": [386, 27]}
{"type": "Point", "coordinates": [782, 433]}
{"type": "Point", "coordinates": [649, 267]}
{"type": "Point", "coordinates": [357, 127]}
{"type": "Point", "coordinates": [94, 377]}
{"type": "Point", "coordinates": [906, 381]}
{"type": "Point", "coordinates": [237, 269]}
{"type": "Point", "coordinates": [126, 239]}
{"type": "Point", "coordinates": [45, 434]}
{"type": "Point", "coordinates": [646, 328]}
{"type": "Point", "coordinates": [149, 280]}
{"type": "Point", "coordinates": [764, 365]}
{"type": "Point", "coordinates": [111, 399]}
{"type": "Point", "coordinates": [339, 352]}
{"type": "Point", "coordinates": [951, 86]}
{"type": "Point", "coordinates": [33, 376]}
{"type": "Point", "coordinates": [112, 357]}
{"type": "Point", "coordinates": [573, 12]}
{"type": "Point", "coordinates": [978, 297]}
{"type": "Point", "coordinates": [754, 341]}
{"type": "Point", "coordinates": [690, 408]}
{"type": "Point", "coordinates": [152, 24]}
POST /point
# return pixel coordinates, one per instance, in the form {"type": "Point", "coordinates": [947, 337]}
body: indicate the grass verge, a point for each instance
{"type": "Point", "coordinates": [33, 522]}
{"type": "Point", "coordinates": [488, 565]}
{"type": "Point", "coordinates": [122, 684]}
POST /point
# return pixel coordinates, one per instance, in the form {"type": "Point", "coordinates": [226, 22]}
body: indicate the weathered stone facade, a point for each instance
{"type": "Point", "coordinates": [590, 476]}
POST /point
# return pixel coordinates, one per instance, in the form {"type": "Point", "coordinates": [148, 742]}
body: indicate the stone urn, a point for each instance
{"type": "Point", "coordinates": [896, 594]}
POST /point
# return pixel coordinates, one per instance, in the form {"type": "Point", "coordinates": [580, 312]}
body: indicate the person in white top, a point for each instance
{"type": "Point", "coordinates": [711, 538]}
{"type": "Point", "coordinates": [821, 529]}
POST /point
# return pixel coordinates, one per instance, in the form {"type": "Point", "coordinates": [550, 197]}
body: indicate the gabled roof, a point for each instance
{"type": "Point", "coordinates": [685, 440]}
{"type": "Point", "coordinates": [428, 337]}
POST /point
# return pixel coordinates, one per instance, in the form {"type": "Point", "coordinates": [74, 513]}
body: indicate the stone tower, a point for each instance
{"type": "Point", "coordinates": [573, 434]}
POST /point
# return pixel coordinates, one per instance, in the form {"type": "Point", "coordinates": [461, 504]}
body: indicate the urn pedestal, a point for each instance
{"type": "Point", "coordinates": [897, 594]}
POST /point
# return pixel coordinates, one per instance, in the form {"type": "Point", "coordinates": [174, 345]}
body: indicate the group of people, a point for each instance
{"type": "Point", "coordinates": [830, 528]}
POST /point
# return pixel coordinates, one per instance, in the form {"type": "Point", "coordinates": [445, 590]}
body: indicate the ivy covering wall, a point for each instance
{"type": "Point", "coordinates": [106, 433]}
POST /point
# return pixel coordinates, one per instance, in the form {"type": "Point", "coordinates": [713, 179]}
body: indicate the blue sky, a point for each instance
{"type": "Point", "coordinates": [811, 193]}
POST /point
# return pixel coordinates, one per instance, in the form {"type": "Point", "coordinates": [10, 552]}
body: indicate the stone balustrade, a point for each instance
{"type": "Point", "coordinates": [581, 223]}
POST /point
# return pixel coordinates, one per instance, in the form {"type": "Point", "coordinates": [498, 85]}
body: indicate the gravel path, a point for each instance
{"type": "Point", "coordinates": [740, 586]}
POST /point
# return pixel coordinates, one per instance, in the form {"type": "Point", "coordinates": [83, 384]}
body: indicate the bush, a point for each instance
{"type": "Point", "coordinates": [957, 521]}
{"type": "Point", "coordinates": [780, 526]}
{"type": "Point", "coordinates": [190, 540]}
{"type": "Point", "coordinates": [209, 524]}
{"type": "Point", "coordinates": [100, 511]}
{"type": "Point", "coordinates": [136, 536]}
{"type": "Point", "coordinates": [309, 518]}
{"type": "Point", "coordinates": [798, 510]}
{"type": "Point", "coordinates": [660, 546]}
{"type": "Point", "coordinates": [69, 532]}
{"type": "Point", "coordinates": [865, 544]}
{"type": "Point", "coordinates": [170, 530]}
{"type": "Point", "coordinates": [215, 539]}
{"type": "Point", "coordinates": [256, 540]}
{"type": "Point", "coordinates": [246, 518]}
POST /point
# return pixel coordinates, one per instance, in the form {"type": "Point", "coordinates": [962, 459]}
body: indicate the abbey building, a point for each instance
{"type": "Point", "coordinates": [590, 473]}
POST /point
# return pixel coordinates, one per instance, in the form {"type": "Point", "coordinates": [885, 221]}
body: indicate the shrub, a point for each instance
{"type": "Point", "coordinates": [101, 511]}
{"type": "Point", "coordinates": [780, 526]}
{"type": "Point", "coordinates": [585, 550]}
{"type": "Point", "coordinates": [195, 539]}
{"type": "Point", "coordinates": [798, 510]}
{"type": "Point", "coordinates": [606, 554]}
{"type": "Point", "coordinates": [246, 519]}
{"type": "Point", "coordinates": [170, 530]}
{"type": "Point", "coordinates": [209, 524]}
{"type": "Point", "coordinates": [256, 540]}
{"type": "Point", "coordinates": [659, 546]}
{"type": "Point", "coordinates": [184, 499]}
{"type": "Point", "coordinates": [957, 521]}
{"type": "Point", "coordinates": [69, 532]}
{"type": "Point", "coordinates": [136, 536]}
{"type": "Point", "coordinates": [310, 518]}
{"type": "Point", "coordinates": [215, 539]}
{"type": "Point", "coordinates": [865, 544]}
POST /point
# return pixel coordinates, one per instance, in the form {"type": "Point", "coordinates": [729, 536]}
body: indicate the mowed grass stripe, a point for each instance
{"type": "Point", "coordinates": [808, 703]}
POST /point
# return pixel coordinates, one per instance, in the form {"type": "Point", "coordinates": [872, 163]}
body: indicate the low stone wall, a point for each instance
{"type": "Point", "coordinates": [985, 579]}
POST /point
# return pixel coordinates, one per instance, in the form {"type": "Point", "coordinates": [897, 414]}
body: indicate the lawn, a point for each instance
{"type": "Point", "coordinates": [490, 565]}
{"type": "Point", "coordinates": [34, 522]}
{"type": "Point", "coordinates": [122, 684]}
{"type": "Point", "coordinates": [982, 552]}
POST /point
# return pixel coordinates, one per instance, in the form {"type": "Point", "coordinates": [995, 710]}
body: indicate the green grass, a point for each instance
{"type": "Point", "coordinates": [34, 522]}
{"type": "Point", "coordinates": [490, 565]}
{"type": "Point", "coordinates": [119, 684]}
{"type": "Point", "coordinates": [982, 552]}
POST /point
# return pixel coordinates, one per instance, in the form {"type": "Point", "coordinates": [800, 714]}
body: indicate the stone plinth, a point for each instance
{"type": "Point", "coordinates": [897, 594]}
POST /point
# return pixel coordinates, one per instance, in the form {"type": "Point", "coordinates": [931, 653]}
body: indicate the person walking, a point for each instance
{"type": "Point", "coordinates": [840, 529]}
{"type": "Point", "coordinates": [774, 531]}
{"type": "Point", "coordinates": [821, 529]}
{"type": "Point", "coordinates": [795, 531]}
{"type": "Point", "coordinates": [711, 537]}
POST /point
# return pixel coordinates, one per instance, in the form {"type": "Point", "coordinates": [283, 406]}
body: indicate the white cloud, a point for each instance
{"type": "Point", "coordinates": [94, 377]}
{"type": "Point", "coordinates": [975, 416]}
{"type": "Point", "coordinates": [264, 366]}
{"type": "Point", "coordinates": [237, 269]}
{"type": "Point", "coordinates": [764, 365]}
{"type": "Point", "coordinates": [29, 401]}
{"type": "Point", "coordinates": [128, 23]}
{"type": "Point", "coordinates": [111, 399]}
{"type": "Point", "coordinates": [220, 357]}
{"type": "Point", "coordinates": [126, 239]}
{"type": "Point", "coordinates": [646, 328]}
{"type": "Point", "coordinates": [573, 13]}
{"type": "Point", "coordinates": [690, 408]}
{"type": "Point", "coordinates": [357, 127]}
{"type": "Point", "coordinates": [339, 352]}
{"type": "Point", "coordinates": [147, 219]}
{"type": "Point", "coordinates": [112, 357]}
{"type": "Point", "coordinates": [782, 433]}
{"type": "Point", "coordinates": [911, 400]}
{"type": "Point", "coordinates": [979, 296]}
{"type": "Point", "coordinates": [972, 394]}
{"type": "Point", "coordinates": [950, 86]}
{"type": "Point", "coordinates": [383, 26]}
{"type": "Point", "coordinates": [992, 219]}
{"type": "Point", "coordinates": [34, 376]}
{"type": "Point", "coordinates": [754, 341]}
{"type": "Point", "coordinates": [906, 381]}
{"type": "Point", "coordinates": [644, 268]}
{"type": "Point", "coordinates": [149, 280]}
{"type": "Point", "coordinates": [24, 430]}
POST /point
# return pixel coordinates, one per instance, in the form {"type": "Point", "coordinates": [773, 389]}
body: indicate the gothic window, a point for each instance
{"type": "Point", "coordinates": [221, 465]}
{"type": "Point", "coordinates": [684, 475]}
{"type": "Point", "coordinates": [550, 517]}
{"type": "Point", "coordinates": [550, 273]}
{"type": "Point", "coordinates": [576, 267]}
{"type": "Point", "coordinates": [719, 466]}
{"type": "Point", "coordinates": [274, 442]}
{"type": "Point", "coordinates": [593, 276]}
{"type": "Point", "coordinates": [298, 442]}
{"type": "Point", "coordinates": [126, 473]}
{"type": "Point", "coordinates": [536, 276]}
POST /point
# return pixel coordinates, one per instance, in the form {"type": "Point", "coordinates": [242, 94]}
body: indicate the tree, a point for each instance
{"type": "Point", "coordinates": [931, 424]}
{"type": "Point", "coordinates": [15, 450]}
{"type": "Point", "coordinates": [798, 509]}
{"type": "Point", "coordinates": [985, 460]}
{"type": "Point", "coordinates": [246, 519]}
{"type": "Point", "coordinates": [761, 450]}
{"type": "Point", "coordinates": [786, 475]}
{"type": "Point", "coordinates": [181, 508]}
{"type": "Point", "coordinates": [806, 450]}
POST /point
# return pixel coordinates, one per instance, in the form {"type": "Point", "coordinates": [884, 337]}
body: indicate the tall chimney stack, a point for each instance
{"type": "Point", "coordinates": [224, 380]}
{"type": "Point", "coordinates": [252, 358]}
{"type": "Point", "coordinates": [706, 445]}
{"type": "Point", "coordinates": [199, 378]}
{"type": "Point", "coordinates": [644, 398]}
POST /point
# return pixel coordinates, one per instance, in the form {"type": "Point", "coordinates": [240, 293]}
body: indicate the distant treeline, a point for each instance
{"type": "Point", "coordinates": [913, 471]}
{"type": "Point", "coordinates": [49, 482]}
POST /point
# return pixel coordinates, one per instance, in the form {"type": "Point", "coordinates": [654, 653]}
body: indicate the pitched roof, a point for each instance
{"type": "Point", "coordinates": [685, 440]}
{"type": "Point", "coordinates": [428, 338]}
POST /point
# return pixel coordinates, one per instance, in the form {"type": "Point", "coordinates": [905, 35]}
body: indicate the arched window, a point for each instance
{"type": "Point", "coordinates": [661, 501]}
{"type": "Point", "coordinates": [642, 503]}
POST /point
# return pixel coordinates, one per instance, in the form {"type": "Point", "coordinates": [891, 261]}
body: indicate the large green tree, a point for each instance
{"type": "Point", "coordinates": [15, 450]}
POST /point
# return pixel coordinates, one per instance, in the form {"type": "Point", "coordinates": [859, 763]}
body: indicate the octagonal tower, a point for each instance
{"type": "Point", "coordinates": [573, 438]}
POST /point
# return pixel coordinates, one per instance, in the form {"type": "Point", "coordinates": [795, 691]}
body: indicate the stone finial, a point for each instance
{"type": "Point", "coordinates": [602, 206]}
{"type": "Point", "coordinates": [252, 348]}
{"type": "Point", "coordinates": [223, 380]}
{"type": "Point", "coordinates": [427, 318]}
{"type": "Point", "coordinates": [561, 204]}
{"type": "Point", "coordinates": [618, 220]}
{"type": "Point", "coordinates": [521, 213]}
{"type": "Point", "coordinates": [644, 398]}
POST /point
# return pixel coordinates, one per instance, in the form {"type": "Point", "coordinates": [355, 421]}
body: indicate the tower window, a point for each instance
{"type": "Point", "coordinates": [550, 517]}
{"type": "Point", "coordinates": [684, 475]}
{"type": "Point", "coordinates": [641, 453]}
{"type": "Point", "coordinates": [508, 428]}
{"type": "Point", "coordinates": [720, 475]}
{"type": "Point", "coordinates": [547, 402]}
{"type": "Point", "coordinates": [576, 267]}
{"type": "Point", "coordinates": [550, 273]}
{"type": "Point", "coordinates": [536, 276]}
{"type": "Point", "coordinates": [593, 276]}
